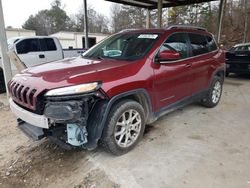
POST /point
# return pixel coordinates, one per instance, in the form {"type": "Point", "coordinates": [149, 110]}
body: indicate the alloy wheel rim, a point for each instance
{"type": "Point", "coordinates": [216, 92]}
{"type": "Point", "coordinates": [127, 128]}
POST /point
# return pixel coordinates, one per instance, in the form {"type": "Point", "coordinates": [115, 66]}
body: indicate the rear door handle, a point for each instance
{"type": "Point", "coordinates": [41, 56]}
{"type": "Point", "coordinates": [188, 65]}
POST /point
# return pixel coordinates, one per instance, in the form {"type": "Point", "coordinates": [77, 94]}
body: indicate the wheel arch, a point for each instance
{"type": "Point", "coordinates": [100, 115]}
{"type": "Point", "coordinates": [219, 73]}
{"type": "Point", "coordinates": [139, 95]}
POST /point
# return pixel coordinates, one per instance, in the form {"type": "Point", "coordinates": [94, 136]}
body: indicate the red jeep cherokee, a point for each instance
{"type": "Point", "coordinates": [118, 86]}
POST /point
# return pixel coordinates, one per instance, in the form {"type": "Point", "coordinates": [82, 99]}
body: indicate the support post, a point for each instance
{"type": "Point", "coordinates": [148, 19]}
{"type": "Point", "coordinates": [246, 21]}
{"type": "Point", "coordinates": [159, 19]}
{"type": "Point", "coordinates": [86, 28]}
{"type": "Point", "coordinates": [4, 49]}
{"type": "Point", "coordinates": [221, 14]}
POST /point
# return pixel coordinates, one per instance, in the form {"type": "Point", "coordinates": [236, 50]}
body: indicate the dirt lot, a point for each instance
{"type": "Point", "coordinates": [193, 147]}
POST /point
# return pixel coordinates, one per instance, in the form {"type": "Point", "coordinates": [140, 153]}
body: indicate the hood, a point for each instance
{"type": "Point", "coordinates": [74, 71]}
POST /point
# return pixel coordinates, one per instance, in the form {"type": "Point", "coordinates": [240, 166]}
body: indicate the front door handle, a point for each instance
{"type": "Point", "coordinates": [188, 65]}
{"type": "Point", "coordinates": [41, 56]}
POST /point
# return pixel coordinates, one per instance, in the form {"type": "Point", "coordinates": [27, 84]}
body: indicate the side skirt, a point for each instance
{"type": "Point", "coordinates": [179, 104]}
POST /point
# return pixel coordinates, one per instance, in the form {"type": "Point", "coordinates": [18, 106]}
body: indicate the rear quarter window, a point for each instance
{"type": "Point", "coordinates": [211, 43]}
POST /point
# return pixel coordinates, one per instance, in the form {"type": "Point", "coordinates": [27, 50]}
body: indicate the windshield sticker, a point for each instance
{"type": "Point", "coordinates": [147, 36]}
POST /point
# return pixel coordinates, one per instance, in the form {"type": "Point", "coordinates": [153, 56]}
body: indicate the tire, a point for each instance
{"type": "Point", "coordinates": [126, 120]}
{"type": "Point", "coordinates": [2, 84]}
{"type": "Point", "coordinates": [214, 93]}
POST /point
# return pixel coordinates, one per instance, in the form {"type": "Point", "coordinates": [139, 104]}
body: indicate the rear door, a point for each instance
{"type": "Point", "coordinates": [52, 51]}
{"type": "Point", "coordinates": [29, 51]}
{"type": "Point", "coordinates": [173, 78]}
{"type": "Point", "coordinates": [203, 51]}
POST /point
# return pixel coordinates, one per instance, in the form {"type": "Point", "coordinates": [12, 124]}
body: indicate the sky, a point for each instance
{"type": "Point", "coordinates": [16, 12]}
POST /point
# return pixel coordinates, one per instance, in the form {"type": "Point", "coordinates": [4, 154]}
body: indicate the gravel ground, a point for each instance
{"type": "Point", "coordinates": [192, 147]}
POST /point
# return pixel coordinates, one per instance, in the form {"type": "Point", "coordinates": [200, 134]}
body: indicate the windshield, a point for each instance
{"type": "Point", "coordinates": [124, 46]}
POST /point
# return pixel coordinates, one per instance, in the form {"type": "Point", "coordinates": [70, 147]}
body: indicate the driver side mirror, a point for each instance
{"type": "Point", "coordinates": [168, 55]}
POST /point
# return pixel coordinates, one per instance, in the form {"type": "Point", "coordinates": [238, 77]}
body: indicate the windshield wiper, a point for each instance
{"type": "Point", "coordinates": [100, 57]}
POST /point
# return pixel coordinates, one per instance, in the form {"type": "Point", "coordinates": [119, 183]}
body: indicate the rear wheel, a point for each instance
{"type": "Point", "coordinates": [214, 93]}
{"type": "Point", "coordinates": [125, 127]}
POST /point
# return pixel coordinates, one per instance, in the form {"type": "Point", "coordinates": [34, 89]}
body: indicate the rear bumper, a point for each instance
{"type": "Point", "coordinates": [238, 67]}
{"type": "Point", "coordinates": [238, 71]}
{"type": "Point", "coordinates": [29, 117]}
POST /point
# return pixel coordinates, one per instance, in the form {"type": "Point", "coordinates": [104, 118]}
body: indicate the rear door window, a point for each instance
{"type": "Point", "coordinates": [178, 43]}
{"type": "Point", "coordinates": [48, 44]}
{"type": "Point", "coordinates": [28, 45]}
{"type": "Point", "coordinates": [199, 44]}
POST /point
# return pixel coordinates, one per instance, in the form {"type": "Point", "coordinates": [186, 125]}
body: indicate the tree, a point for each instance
{"type": "Point", "coordinates": [97, 23]}
{"type": "Point", "coordinates": [46, 22]}
{"type": "Point", "coordinates": [126, 17]}
{"type": "Point", "coordinates": [39, 23]}
{"type": "Point", "coordinates": [57, 17]}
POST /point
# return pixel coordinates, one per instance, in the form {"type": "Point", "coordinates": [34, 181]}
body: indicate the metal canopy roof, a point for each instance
{"type": "Point", "coordinates": [152, 4]}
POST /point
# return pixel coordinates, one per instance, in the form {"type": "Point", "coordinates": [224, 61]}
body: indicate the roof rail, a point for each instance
{"type": "Point", "coordinates": [125, 30]}
{"type": "Point", "coordinates": [186, 27]}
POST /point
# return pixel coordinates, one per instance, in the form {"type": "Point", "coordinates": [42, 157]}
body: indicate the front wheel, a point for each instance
{"type": "Point", "coordinates": [214, 93]}
{"type": "Point", "coordinates": [125, 127]}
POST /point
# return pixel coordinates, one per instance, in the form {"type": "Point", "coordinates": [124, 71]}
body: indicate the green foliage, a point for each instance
{"type": "Point", "coordinates": [55, 19]}
{"type": "Point", "coordinates": [49, 21]}
{"type": "Point", "coordinates": [197, 14]}
{"type": "Point", "coordinates": [97, 23]}
{"type": "Point", "coordinates": [126, 17]}
{"type": "Point", "coordinates": [38, 22]}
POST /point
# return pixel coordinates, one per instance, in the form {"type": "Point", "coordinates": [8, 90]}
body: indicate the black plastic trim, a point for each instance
{"type": "Point", "coordinates": [100, 114]}
{"type": "Point", "coordinates": [36, 133]}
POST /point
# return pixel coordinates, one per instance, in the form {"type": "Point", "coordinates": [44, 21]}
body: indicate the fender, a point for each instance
{"type": "Point", "coordinates": [220, 69]}
{"type": "Point", "coordinates": [100, 113]}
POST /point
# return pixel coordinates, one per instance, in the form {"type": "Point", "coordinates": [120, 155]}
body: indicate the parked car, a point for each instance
{"type": "Point", "coordinates": [37, 50]}
{"type": "Point", "coordinates": [238, 59]}
{"type": "Point", "coordinates": [108, 98]}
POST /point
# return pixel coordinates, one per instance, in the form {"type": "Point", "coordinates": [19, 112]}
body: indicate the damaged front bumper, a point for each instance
{"type": "Point", "coordinates": [29, 117]}
{"type": "Point", "coordinates": [68, 121]}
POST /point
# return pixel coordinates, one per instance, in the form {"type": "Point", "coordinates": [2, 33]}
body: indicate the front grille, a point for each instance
{"type": "Point", "coordinates": [24, 96]}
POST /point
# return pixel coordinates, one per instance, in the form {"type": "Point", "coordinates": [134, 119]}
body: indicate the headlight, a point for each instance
{"type": "Point", "coordinates": [71, 90]}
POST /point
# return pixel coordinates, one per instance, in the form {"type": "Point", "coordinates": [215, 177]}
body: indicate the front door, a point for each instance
{"type": "Point", "coordinates": [30, 53]}
{"type": "Point", "coordinates": [173, 78]}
